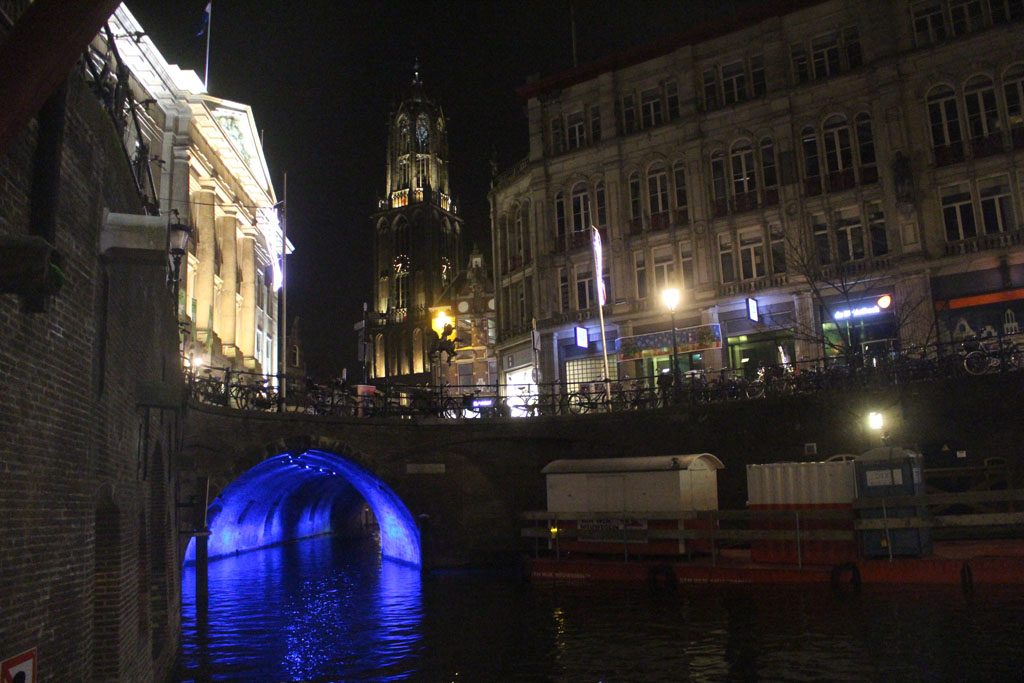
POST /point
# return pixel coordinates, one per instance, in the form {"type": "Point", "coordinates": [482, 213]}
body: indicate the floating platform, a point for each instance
{"type": "Point", "coordinates": [953, 562]}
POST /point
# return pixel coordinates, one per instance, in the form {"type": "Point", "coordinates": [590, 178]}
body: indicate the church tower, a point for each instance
{"type": "Point", "coordinates": [417, 233]}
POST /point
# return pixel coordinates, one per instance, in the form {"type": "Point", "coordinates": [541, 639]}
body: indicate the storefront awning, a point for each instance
{"type": "Point", "coordinates": [688, 340]}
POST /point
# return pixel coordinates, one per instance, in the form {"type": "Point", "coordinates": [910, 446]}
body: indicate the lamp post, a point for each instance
{"type": "Point", "coordinates": [178, 234]}
{"type": "Point", "coordinates": [670, 296]}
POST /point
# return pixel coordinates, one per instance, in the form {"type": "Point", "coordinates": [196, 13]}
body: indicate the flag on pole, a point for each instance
{"type": "Point", "coordinates": [204, 23]}
{"type": "Point", "coordinates": [598, 263]}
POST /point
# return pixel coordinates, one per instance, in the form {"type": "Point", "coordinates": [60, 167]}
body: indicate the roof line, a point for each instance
{"type": "Point", "coordinates": [702, 32]}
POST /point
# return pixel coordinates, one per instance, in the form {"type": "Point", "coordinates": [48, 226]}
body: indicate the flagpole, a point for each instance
{"type": "Point", "coordinates": [209, 30]}
{"type": "Point", "coordinates": [598, 257]}
{"type": "Point", "coordinates": [283, 312]}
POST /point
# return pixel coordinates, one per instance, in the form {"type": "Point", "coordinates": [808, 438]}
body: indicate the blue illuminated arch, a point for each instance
{"type": "Point", "coordinates": [289, 497]}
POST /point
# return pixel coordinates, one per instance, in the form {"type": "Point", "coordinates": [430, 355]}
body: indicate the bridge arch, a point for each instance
{"type": "Point", "coordinates": [299, 493]}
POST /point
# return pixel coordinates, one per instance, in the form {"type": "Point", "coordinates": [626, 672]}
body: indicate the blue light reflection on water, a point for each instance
{"type": "Point", "coordinates": [329, 610]}
{"type": "Point", "coordinates": [319, 609]}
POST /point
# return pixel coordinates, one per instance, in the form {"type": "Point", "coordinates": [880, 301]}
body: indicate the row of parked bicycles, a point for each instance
{"type": "Point", "coordinates": [249, 391]}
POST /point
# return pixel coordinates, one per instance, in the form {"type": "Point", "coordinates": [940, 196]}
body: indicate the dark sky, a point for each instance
{"type": "Point", "coordinates": [322, 76]}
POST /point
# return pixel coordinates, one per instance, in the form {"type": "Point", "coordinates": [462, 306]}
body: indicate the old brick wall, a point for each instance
{"type": "Point", "coordinates": [88, 568]}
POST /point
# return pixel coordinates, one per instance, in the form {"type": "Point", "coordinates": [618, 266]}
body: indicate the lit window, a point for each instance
{"type": "Point", "coordinates": [751, 254]}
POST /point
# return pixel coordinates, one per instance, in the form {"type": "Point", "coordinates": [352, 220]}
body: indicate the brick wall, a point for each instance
{"type": "Point", "coordinates": [89, 572]}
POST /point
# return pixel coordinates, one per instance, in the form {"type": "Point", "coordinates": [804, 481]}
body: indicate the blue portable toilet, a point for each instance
{"type": "Point", "coordinates": [890, 472]}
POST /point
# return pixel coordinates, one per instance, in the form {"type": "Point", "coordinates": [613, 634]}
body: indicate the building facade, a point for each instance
{"type": "Point", "coordinates": [417, 244]}
{"type": "Point", "coordinates": [199, 161]}
{"type": "Point", "coordinates": [787, 170]}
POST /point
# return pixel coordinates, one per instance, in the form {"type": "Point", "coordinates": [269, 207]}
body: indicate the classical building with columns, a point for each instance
{"type": "Point", "coordinates": [812, 175]}
{"type": "Point", "coordinates": [199, 161]}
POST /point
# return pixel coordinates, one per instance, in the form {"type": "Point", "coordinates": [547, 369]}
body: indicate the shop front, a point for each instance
{"type": "Point", "coordinates": [979, 304]}
{"type": "Point", "coordinates": [649, 355]}
{"type": "Point", "coordinates": [860, 330]}
{"type": "Point", "coordinates": [760, 334]}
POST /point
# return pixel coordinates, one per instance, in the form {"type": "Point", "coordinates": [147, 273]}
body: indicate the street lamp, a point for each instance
{"type": "Point", "coordinates": [178, 234]}
{"type": "Point", "coordinates": [671, 296]}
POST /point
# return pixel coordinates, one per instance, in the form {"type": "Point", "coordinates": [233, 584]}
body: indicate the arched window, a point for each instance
{"type": "Point", "coordinates": [401, 270]}
{"type": "Point", "coordinates": [838, 153]}
{"type": "Point", "coordinates": [1013, 88]}
{"type": "Point", "coordinates": [517, 232]}
{"type": "Point", "coordinates": [404, 136]}
{"type": "Point", "coordinates": [657, 188]}
{"type": "Point", "coordinates": [980, 104]}
{"type": "Point", "coordinates": [422, 133]}
{"type": "Point", "coordinates": [378, 356]}
{"type": "Point", "coordinates": [635, 209]}
{"type": "Point", "coordinates": [943, 119]}
{"type": "Point", "coordinates": [744, 177]}
{"type": "Point", "coordinates": [401, 245]}
{"type": "Point", "coordinates": [580, 208]}
{"type": "Point", "coordinates": [769, 174]}
{"type": "Point", "coordinates": [417, 350]}
{"type": "Point", "coordinates": [560, 215]}
{"type": "Point", "coordinates": [866, 148]}
{"type": "Point", "coordinates": [812, 161]}
{"type": "Point", "coordinates": [679, 185]}
{"type": "Point", "coordinates": [602, 205]}
{"type": "Point", "coordinates": [718, 184]}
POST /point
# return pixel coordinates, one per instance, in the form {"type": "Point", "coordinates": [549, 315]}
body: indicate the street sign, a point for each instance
{"type": "Point", "coordinates": [19, 668]}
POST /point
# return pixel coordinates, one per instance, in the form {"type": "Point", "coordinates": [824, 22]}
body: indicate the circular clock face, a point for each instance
{"type": "Point", "coordinates": [401, 264]}
{"type": "Point", "coordinates": [490, 304]}
{"type": "Point", "coordinates": [421, 132]}
{"type": "Point", "coordinates": [463, 306]}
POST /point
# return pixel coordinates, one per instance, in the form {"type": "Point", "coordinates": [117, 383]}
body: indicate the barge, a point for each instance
{"type": "Point", "coordinates": [857, 520]}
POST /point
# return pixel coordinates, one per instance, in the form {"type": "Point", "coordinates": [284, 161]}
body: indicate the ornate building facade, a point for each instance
{"type": "Point", "coordinates": [417, 243]}
{"type": "Point", "coordinates": [199, 161]}
{"type": "Point", "coordinates": [787, 170]}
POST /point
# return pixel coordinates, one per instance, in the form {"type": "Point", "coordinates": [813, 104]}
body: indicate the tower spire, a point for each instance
{"type": "Point", "coordinates": [416, 73]}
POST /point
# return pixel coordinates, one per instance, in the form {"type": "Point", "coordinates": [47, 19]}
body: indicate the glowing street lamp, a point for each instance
{"type": "Point", "coordinates": [671, 296]}
{"type": "Point", "coordinates": [875, 421]}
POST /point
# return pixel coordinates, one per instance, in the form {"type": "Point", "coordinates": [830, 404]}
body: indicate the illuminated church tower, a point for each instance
{"type": "Point", "coordinates": [416, 242]}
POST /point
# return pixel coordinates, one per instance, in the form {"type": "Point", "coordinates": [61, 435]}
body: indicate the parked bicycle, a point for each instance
{"type": "Point", "coordinates": [991, 354]}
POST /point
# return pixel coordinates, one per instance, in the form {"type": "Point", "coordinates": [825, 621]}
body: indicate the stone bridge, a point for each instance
{"type": "Point", "coordinates": [449, 492]}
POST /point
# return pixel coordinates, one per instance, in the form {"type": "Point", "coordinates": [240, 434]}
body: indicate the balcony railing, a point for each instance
{"type": "Point", "coordinates": [987, 146]}
{"type": "Point", "coordinates": [841, 180]}
{"type": "Point", "coordinates": [949, 154]}
{"type": "Point", "coordinates": [856, 268]}
{"type": "Point", "coordinates": [1017, 137]}
{"type": "Point", "coordinates": [996, 240]}
{"type": "Point", "coordinates": [755, 285]}
{"type": "Point", "coordinates": [660, 221]}
{"type": "Point", "coordinates": [745, 201]}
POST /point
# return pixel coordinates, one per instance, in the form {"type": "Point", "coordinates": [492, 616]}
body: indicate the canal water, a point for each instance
{"type": "Point", "coordinates": [327, 609]}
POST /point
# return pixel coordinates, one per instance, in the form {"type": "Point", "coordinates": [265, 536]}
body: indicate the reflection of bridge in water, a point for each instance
{"type": "Point", "coordinates": [459, 485]}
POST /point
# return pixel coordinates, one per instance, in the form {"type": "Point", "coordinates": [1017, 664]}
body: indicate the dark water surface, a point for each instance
{"type": "Point", "coordinates": [330, 610]}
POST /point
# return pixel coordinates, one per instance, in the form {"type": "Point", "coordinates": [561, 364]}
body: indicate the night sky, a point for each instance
{"type": "Point", "coordinates": [322, 76]}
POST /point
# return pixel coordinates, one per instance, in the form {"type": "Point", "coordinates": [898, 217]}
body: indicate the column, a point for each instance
{"type": "Point", "coordinates": [205, 254]}
{"type": "Point", "coordinates": [245, 334]}
{"type": "Point", "coordinates": [224, 316]}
